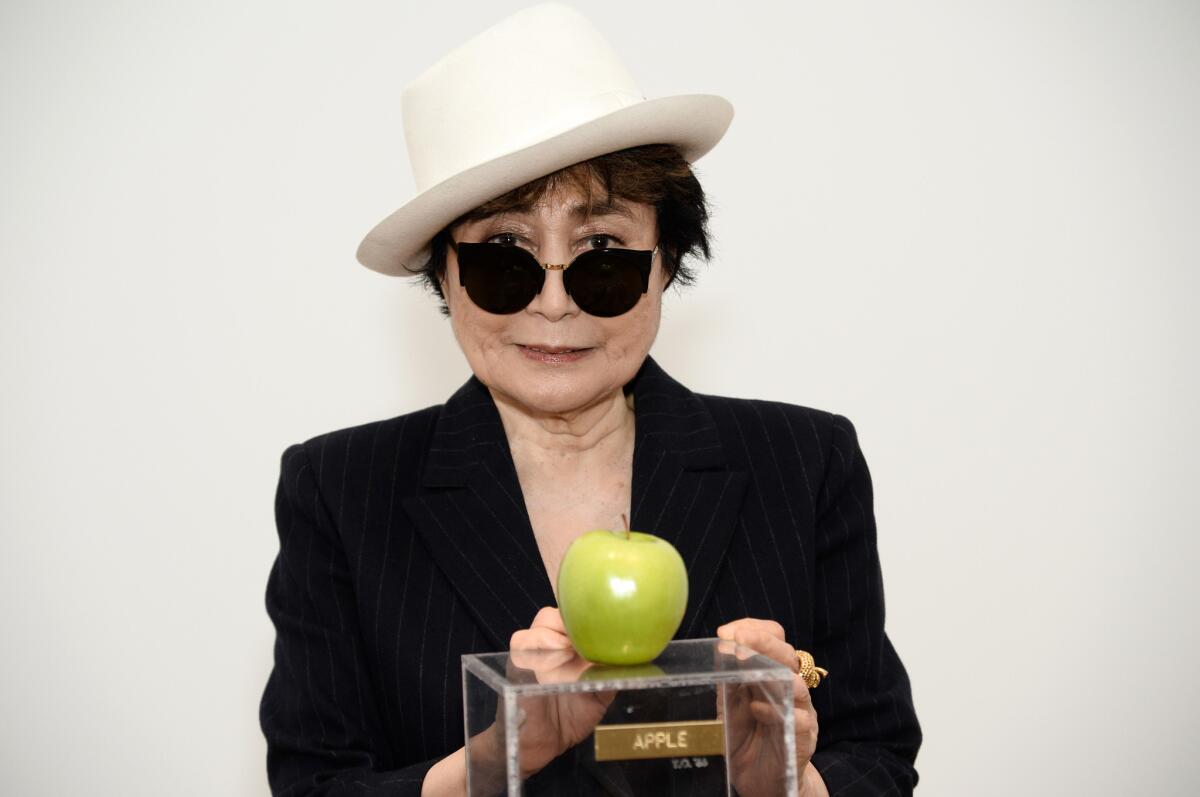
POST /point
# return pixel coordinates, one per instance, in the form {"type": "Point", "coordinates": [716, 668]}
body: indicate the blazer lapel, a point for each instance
{"type": "Point", "coordinates": [471, 514]}
{"type": "Point", "coordinates": [684, 489]}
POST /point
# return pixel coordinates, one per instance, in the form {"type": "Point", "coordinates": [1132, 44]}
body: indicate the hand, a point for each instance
{"type": "Point", "coordinates": [756, 761]}
{"type": "Point", "coordinates": [552, 724]}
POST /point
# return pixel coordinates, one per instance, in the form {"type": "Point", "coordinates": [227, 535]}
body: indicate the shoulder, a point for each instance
{"type": "Point", "coordinates": [806, 437]}
{"type": "Point", "coordinates": [779, 419]}
{"type": "Point", "coordinates": [394, 444]}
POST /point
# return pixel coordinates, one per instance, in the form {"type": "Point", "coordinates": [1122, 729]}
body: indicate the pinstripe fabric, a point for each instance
{"type": "Point", "coordinates": [405, 544]}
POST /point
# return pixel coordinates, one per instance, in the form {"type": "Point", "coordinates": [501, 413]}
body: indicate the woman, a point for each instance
{"type": "Point", "coordinates": [550, 222]}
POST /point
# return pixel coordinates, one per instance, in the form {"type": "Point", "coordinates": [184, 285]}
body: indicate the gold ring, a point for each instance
{"type": "Point", "coordinates": [809, 671]}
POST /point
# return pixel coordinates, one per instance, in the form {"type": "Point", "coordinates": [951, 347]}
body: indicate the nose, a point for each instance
{"type": "Point", "coordinates": [553, 302]}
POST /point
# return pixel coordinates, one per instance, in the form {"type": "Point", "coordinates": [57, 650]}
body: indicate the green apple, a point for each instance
{"type": "Point", "coordinates": [621, 672]}
{"type": "Point", "coordinates": [621, 595]}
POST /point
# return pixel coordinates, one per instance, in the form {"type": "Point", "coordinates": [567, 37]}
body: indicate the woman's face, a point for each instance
{"type": "Point", "coordinates": [582, 358]}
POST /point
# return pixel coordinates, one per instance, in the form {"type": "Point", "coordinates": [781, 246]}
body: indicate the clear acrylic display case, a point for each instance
{"type": "Point", "coordinates": [707, 717]}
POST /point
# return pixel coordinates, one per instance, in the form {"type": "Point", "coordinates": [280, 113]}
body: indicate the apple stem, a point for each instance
{"type": "Point", "coordinates": [625, 520]}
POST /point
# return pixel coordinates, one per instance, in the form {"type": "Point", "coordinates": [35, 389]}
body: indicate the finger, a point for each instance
{"type": "Point", "coordinates": [540, 638]}
{"type": "Point", "coordinates": [806, 730]}
{"type": "Point", "coordinates": [767, 713]}
{"type": "Point", "coordinates": [736, 714]}
{"type": "Point", "coordinates": [564, 671]}
{"type": "Point", "coordinates": [549, 617]}
{"type": "Point", "coordinates": [540, 660]}
{"type": "Point", "coordinates": [806, 721]}
{"type": "Point", "coordinates": [727, 647]}
{"type": "Point", "coordinates": [769, 645]}
{"type": "Point", "coordinates": [728, 630]}
{"type": "Point", "coordinates": [801, 696]}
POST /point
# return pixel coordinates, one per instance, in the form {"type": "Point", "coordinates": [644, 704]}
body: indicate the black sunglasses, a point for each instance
{"type": "Point", "coordinates": [502, 279]}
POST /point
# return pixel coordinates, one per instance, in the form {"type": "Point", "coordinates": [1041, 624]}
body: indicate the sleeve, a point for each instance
{"type": "Point", "coordinates": [869, 735]}
{"type": "Point", "coordinates": [318, 711]}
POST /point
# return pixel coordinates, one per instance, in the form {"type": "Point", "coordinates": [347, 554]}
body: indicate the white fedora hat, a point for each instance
{"type": "Point", "coordinates": [535, 93]}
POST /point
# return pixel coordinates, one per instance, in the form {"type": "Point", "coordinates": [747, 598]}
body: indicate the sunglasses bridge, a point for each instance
{"type": "Point", "coordinates": [565, 266]}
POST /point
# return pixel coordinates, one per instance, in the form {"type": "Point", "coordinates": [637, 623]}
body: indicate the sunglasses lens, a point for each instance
{"type": "Point", "coordinates": [606, 282]}
{"type": "Point", "coordinates": [500, 279]}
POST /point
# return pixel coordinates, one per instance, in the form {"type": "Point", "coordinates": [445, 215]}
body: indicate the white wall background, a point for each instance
{"type": "Point", "coordinates": [971, 227]}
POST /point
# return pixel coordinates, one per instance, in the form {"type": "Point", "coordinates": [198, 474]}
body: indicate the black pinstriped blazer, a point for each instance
{"type": "Point", "coordinates": [405, 543]}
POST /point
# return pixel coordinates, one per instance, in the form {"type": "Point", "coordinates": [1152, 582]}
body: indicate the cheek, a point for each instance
{"type": "Point", "coordinates": [475, 330]}
{"type": "Point", "coordinates": [635, 332]}
{"type": "Point", "coordinates": [473, 327]}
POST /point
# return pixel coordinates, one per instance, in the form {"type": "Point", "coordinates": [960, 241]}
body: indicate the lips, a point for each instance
{"type": "Point", "coordinates": [552, 356]}
{"type": "Point", "coordinates": [551, 349]}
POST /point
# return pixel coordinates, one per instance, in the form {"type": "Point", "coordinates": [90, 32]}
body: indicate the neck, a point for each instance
{"type": "Point", "coordinates": [601, 429]}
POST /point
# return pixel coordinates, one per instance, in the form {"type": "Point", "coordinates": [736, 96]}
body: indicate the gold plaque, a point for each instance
{"type": "Point", "coordinates": [659, 740]}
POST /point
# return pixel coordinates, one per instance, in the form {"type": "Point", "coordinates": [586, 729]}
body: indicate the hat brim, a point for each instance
{"type": "Point", "coordinates": [399, 245]}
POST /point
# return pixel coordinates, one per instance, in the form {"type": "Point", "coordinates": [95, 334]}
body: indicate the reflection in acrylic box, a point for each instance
{"type": "Point", "coordinates": [706, 717]}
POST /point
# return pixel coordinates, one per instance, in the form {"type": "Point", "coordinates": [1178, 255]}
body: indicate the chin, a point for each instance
{"type": "Point", "coordinates": [558, 396]}
{"type": "Point", "coordinates": [555, 390]}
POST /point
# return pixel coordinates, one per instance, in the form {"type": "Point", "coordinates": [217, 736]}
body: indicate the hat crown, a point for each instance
{"type": "Point", "coordinates": [536, 74]}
